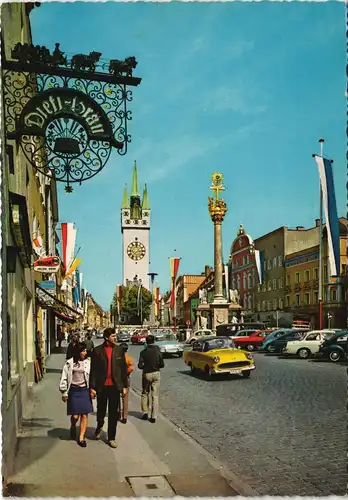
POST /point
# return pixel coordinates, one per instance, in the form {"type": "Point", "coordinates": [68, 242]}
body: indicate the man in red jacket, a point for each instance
{"type": "Point", "coordinates": [108, 382]}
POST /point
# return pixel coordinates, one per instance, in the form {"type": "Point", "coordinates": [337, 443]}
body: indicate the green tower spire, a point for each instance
{"type": "Point", "coordinates": [125, 200]}
{"type": "Point", "coordinates": [146, 204]}
{"type": "Point", "coordinates": [135, 188]}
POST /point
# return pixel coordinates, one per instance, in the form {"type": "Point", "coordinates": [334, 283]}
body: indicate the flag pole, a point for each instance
{"type": "Point", "coordinates": [320, 294]}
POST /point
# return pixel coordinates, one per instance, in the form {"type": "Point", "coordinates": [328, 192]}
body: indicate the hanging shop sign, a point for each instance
{"type": "Point", "coordinates": [47, 265]}
{"type": "Point", "coordinates": [48, 285]}
{"type": "Point", "coordinates": [67, 114]}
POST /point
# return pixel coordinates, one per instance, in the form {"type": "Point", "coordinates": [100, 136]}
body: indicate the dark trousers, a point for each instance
{"type": "Point", "coordinates": [109, 397]}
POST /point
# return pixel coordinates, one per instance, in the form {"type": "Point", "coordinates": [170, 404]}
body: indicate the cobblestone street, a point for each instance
{"type": "Point", "coordinates": [282, 431]}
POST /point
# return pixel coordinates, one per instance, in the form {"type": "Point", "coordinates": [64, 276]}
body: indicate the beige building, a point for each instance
{"type": "Point", "coordinates": [97, 318]}
{"type": "Point", "coordinates": [186, 284]}
{"type": "Point", "coordinates": [269, 295]}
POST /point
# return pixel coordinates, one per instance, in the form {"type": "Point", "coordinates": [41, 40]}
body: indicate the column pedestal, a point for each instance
{"type": "Point", "coordinates": [219, 310]}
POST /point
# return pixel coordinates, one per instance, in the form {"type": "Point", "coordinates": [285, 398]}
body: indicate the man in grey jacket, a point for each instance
{"type": "Point", "coordinates": [151, 362]}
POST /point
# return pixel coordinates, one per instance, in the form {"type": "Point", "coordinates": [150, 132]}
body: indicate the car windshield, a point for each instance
{"type": "Point", "coordinates": [218, 343]}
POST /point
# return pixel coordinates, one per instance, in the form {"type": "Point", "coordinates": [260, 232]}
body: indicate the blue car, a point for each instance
{"type": "Point", "coordinates": [272, 336]}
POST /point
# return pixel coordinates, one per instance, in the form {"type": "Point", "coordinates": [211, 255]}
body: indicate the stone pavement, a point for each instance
{"type": "Point", "coordinates": [151, 460]}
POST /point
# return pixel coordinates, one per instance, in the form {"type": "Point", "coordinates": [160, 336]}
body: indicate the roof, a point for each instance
{"type": "Point", "coordinates": [145, 204]}
{"type": "Point", "coordinates": [125, 200]}
{"type": "Point", "coordinates": [135, 188]}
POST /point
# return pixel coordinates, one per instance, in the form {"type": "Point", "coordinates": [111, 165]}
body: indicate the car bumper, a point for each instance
{"type": "Point", "coordinates": [172, 351]}
{"type": "Point", "coordinates": [240, 369]}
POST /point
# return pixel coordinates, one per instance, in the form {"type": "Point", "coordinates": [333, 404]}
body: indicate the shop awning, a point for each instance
{"type": "Point", "coordinates": [61, 310]}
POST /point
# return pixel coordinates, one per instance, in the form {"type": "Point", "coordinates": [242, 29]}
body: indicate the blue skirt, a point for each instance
{"type": "Point", "coordinates": [79, 401]}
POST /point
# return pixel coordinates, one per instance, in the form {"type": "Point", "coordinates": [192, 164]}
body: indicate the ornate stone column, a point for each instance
{"type": "Point", "coordinates": [217, 209]}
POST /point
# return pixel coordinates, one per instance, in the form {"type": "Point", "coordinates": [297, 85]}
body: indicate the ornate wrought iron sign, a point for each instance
{"type": "Point", "coordinates": [66, 115]}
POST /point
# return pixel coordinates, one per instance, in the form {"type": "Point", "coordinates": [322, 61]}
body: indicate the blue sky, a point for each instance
{"type": "Point", "coordinates": [246, 89]}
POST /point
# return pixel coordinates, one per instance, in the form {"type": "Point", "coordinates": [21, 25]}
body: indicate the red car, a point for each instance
{"type": "Point", "coordinates": [252, 341]}
{"type": "Point", "coordinates": [139, 337]}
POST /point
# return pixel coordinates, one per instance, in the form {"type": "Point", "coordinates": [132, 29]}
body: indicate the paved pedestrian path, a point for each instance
{"type": "Point", "coordinates": [151, 459]}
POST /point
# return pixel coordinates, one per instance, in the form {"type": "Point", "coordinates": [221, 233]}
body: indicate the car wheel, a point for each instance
{"type": "Point", "coordinates": [250, 347]}
{"type": "Point", "coordinates": [303, 353]}
{"type": "Point", "coordinates": [270, 348]}
{"type": "Point", "coordinates": [180, 354]}
{"type": "Point", "coordinates": [335, 356]}
{"type": "Point", "coordinates": [246, 373]}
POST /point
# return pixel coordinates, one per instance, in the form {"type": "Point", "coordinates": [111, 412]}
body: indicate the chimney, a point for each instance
{"type": "Point", "coordinates": [299, 228]}
{"type": "Point", "coordinates": [317, 222]}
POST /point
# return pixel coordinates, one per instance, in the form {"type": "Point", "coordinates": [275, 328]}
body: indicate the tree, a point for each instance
{"type": "Point", "coordinates": [130, 308]}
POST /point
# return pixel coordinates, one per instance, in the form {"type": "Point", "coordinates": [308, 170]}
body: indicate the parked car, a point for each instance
{"type": "Point", "coordinates": [279, 343]}
{"type": "Point", "coordinates": [123, 336]}
{"type": "Point", "coordinates": [252, 341]}
{"type": "Point", "coordinates": [139, 337]}
{"type": "Point", "coordinates": [199, 334]}
{"type": "Point", "coordinates": [335, 348]}
{"type": "Point", "coordinates": [215, 355]}
{"type": "Point", "coordinates": [308, 345]}
{"type": "Point", "coordinates": [99, 334]}
{"type": "Point", "coordinates": [273, 335]}
{"type": "Point", "coordinates": [242, 333]}
{"type": "Point", "coordinates": [228, 329]}
{"type": "Point", "coordinates": [169, 345]}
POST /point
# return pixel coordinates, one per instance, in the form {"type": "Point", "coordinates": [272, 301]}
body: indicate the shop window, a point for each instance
{"type": "Point", "coordinates": [10, 154]}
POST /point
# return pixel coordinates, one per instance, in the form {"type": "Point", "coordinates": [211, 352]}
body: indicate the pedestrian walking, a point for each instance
{"type": "Point", "coordinates": [108, 382]}
{"type": "Point", "coordinates": [74, 340]}
{"type": "Point", "coordinates": [60, 335]}
{"type": "Point", "coordinates": [150, 362]}
{"type": "Point", "coordinates": [125, 396]}
{"type": "Point", "coordinates": [89, 344]}
{"type": "Point", "coordinates": [74, 386]}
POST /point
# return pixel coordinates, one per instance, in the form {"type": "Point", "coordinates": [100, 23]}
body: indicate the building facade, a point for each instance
{"type": "Point", "coordinates": [135, 227]}
{"type": "Point", "coordinates": [302, 284]}
{"type": "Point", "coordinates": [243, 273]}
{"type": "Point", "coordinates": [186, 284]}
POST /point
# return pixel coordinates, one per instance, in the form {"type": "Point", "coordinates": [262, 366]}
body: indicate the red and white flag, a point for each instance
{"type": "Point", "coordinates": [174, 267]}
{"type": "Point", "coordinates": [68, 244]}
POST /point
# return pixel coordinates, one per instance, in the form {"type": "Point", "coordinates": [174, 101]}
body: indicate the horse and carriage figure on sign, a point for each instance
{"type": "Point", "coordinates": [27, 53]}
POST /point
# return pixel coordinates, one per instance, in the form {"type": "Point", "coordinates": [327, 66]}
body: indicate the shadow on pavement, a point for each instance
{"type": "Point", "coordinates": [64, 433]}
{"type": "Point", "coordinates": [136, 414]}
{"type": "Point", "coordinates": [53, 370]}
{"type": "Point", "coordinates": [31, 449]}
{"type": "Point", "coordinates": [216, 378]}
{"type": "Point", "coordinates": [35, 423]}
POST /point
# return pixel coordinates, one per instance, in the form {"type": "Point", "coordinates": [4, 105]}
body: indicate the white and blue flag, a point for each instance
{"type": "Point", "coordinates": [330, 210]}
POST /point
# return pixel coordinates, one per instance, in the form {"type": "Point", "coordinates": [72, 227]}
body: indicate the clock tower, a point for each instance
{"type": "Point", "coordinates": [135, 226]}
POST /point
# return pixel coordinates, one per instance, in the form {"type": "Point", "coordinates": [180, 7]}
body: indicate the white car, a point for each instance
{"type": "Point", "coordinates": [198, 335]}
{"type": "Point", "coordinates": [308, 345]}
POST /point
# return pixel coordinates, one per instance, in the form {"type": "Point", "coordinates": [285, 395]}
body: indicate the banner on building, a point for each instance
{"type": "Point", "coordinates": [174, 267]}
{"type": "Point", "coordinates": [119, 299]}
{"type": "Point", "coordinates": [68, 244]}
{"type": "Point", "coordinates": [157, 299]}
{"type": "Point", "coordinates": [330, 210]}
{"type": "Point", "coordinates": [38, 245]}
{"type": "Point", "coordinates": [259, 261]}
{"type": "Point", "coordinates": [227, 282]}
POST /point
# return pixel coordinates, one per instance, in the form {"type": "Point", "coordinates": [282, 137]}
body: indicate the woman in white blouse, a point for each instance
{"type": "Point", "coordinates": [74, 386]}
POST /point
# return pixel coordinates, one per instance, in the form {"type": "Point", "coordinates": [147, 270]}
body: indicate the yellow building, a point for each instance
{"type": "Point", "coordinates": [302, 284]}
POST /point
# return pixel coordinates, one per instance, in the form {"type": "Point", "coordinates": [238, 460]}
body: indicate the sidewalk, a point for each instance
{"type": "Point", "coordinates": [151, 459]}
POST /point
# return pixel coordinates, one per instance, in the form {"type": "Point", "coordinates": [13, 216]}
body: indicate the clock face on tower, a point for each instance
{"type": "Point", "coordinates": [136, 250]}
